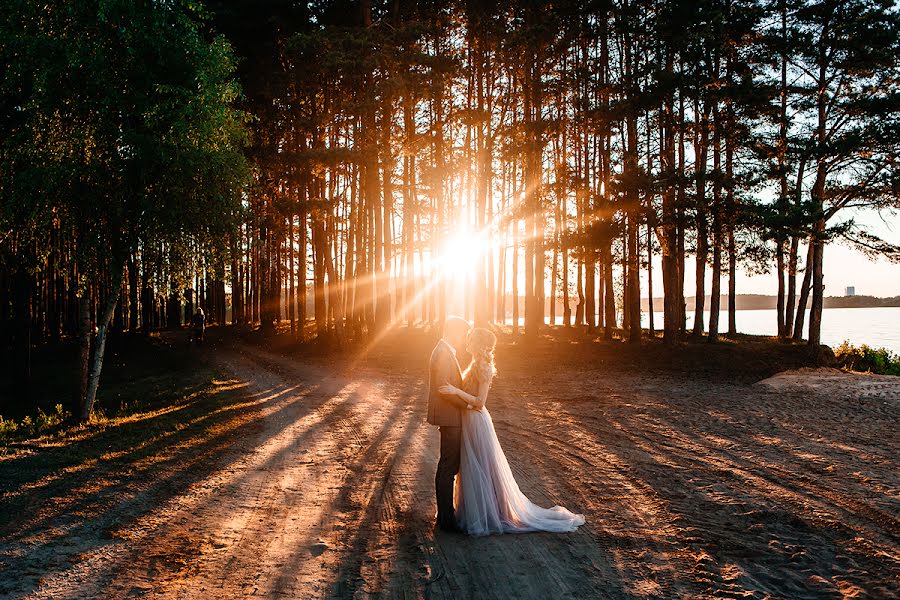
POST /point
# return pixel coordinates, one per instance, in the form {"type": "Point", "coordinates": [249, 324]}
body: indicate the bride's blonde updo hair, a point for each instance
{"type": "Point", "coordinates": [480, 344]}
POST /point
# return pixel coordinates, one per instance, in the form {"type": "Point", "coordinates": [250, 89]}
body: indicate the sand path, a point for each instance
{"type": "Point", "coordinates": [691, 488]}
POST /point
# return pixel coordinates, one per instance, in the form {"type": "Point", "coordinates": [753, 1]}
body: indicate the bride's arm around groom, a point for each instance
{"type": "Point", "coordinates": [473, 402]}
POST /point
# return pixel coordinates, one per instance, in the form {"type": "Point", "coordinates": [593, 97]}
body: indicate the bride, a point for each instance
{"type": "Point", "coordinates": [487, 497]}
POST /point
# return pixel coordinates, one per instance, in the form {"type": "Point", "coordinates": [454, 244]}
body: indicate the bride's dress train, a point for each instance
{"type": "Point", "coordinates": [487, 497]}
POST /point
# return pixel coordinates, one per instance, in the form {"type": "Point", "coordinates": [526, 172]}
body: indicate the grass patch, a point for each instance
{"type": "Point", "coordinates": [867, 359]}
{"type": "Point", "coordinates": [165, 417]}
{"type": "Point", "coordinates": [29, 427]}
{"type": "Point", "coordinates": [140, 374]}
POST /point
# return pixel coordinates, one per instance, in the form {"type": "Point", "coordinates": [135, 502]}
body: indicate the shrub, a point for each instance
{"type": "Point", "coordinates": [867, 359]}
{"type": "Point", "coordinates": [29, 426]}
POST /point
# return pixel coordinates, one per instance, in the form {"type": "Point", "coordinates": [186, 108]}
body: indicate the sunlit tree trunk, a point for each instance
{"type": "Point", "coordinates": [701, 149]}
{"type": "Point", "coordinates": [515, 257]}
{"type": "Point", "coordinates": [385, 299]}
{"type": "Point", "coordinates": [804, 294]}
{"type": "Point", "coordinates": [630, 174]}
{"type": "Point", "coordinates": [791, 300]}
{"type": "Point", "coordinates": [669, 225]}
{"type": "Point", "coordinates": [97, 348]}
{"type": "Point", "coordinates": [716, 290]}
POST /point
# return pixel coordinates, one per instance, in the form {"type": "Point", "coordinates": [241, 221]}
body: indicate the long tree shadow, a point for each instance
{"type": "Point", "coordinates": [732, 523]}
{"type": "Point", "coordinates": [34, 465]}
{"type": "Point", "coordinates": [663, 475]}
{"type": "Point", "coordinates": [732, 520]}
{"type": "Point", "coordinates": [583, 485]}
{"type": "Point", "coordinates": [796, 466]}
{"type": "Point", "coordinates": [125, 443]}
{"type": "Point", "coordinates": [368, 476]}
{"type": "Point", "coordinates": [215, 424]}
{"type": "Point", "coordinates": [299, 441]}
{"type": "Point", "coordinates": [200, 438]}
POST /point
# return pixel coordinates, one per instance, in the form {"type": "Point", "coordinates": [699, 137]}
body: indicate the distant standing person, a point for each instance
{"type": "Point", "coordinates": [198, 326]}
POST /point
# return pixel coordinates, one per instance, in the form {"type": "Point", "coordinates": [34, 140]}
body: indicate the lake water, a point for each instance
{"type": "Point", "coordinates": [877, 327]}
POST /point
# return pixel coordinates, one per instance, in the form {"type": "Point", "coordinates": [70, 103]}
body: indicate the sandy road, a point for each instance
{"type": "Point", "coordinates": [690, 488]}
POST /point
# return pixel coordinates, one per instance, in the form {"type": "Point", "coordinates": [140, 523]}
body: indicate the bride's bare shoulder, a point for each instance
{"type": "Point", "coordinates": [485, 372]}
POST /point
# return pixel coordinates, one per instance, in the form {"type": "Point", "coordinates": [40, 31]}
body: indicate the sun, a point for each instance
{"type": "Point", "coordinates": [461, 252]}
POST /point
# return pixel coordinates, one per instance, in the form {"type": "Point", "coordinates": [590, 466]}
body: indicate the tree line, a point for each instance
{"type": "Point", "coordinates": [159, 156]}
{"type": "Point", "coordinates": [121, 171]}
{"type": "Point", "coordinates": [582, 137]}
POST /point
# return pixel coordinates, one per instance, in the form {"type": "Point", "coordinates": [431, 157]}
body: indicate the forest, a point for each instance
{"type": "Point", "coordinates": [331, 169]}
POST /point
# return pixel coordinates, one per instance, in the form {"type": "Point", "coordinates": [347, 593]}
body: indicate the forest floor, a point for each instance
{"type": "Point", "coordinates": [280, 474]}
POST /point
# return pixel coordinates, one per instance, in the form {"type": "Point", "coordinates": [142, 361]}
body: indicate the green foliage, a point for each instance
{"type": "Point", "coordinates": [29, 427]}
{"type": "Point", "coordinates": [867, 359]}
{"type": "Point", "coordinates": [118, 122]}
{"type": "Point", "coordinates": [119, 140]}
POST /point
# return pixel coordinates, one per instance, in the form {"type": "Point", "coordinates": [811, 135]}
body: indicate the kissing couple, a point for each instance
{"type": "Point", "coordinates": [475, 488]}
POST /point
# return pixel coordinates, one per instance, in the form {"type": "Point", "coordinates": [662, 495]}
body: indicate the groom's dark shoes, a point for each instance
{"type": "Point", "coordinates": [450, 528]}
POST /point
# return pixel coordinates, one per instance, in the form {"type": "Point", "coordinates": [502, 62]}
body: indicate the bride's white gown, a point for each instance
{"type": "Point", "coordinates": [487, 497]}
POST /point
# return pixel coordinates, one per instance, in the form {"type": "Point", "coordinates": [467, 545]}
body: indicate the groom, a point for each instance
{"type": "Point", "coordinates": [444, 412]}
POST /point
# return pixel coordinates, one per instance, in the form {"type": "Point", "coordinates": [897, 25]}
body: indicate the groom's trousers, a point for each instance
{"type": "Point", "coordinates": [448, 467]}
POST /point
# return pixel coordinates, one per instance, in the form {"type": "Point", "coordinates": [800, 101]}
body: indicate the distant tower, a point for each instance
{"type": "Point", "coordinates": [851, 291]}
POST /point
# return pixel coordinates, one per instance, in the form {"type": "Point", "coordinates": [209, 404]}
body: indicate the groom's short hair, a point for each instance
{"type": "Point", "coordinates": [453, 323]}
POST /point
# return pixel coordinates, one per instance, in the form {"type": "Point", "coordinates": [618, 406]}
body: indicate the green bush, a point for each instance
{"type": "Point", "coordinates": [29, 426]}
{"type": "Point", "coordinates": [867, 359]}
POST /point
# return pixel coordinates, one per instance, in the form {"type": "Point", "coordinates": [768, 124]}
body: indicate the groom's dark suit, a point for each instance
{"type": "Point", "coordinates": [444, 411]}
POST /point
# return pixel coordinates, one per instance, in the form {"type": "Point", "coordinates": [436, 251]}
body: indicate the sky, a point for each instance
{"type": "Point", "coordinates": [843, 267]}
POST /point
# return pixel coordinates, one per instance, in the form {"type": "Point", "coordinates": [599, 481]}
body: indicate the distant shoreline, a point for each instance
{"type": "Point", "coordinates": [764, 302]}
{"type": "Point", "coordinates": [725, 308]}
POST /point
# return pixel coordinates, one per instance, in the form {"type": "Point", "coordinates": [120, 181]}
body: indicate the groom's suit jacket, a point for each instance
{"type": "Point", "coordinates": [443, 410]}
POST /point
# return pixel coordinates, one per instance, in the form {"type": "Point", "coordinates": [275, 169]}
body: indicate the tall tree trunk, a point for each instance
{"type": "Point", "coordinates": [630, 174]}
{"type": "Point", "coordinates": [783, 315]}
{"type": "Point", "coordinates": [680, 203]}
{"type": "Point", "coordinates": [301, 267]}
{"type": "Point", "coordinates": [291, 275]}
{"type": "Point", "coordinates": [804, 294]}
{"type": "Point", "coordinates": [334, 300]}
{"type": "Point", "coordinates": [716, 291]}
{"type": "Point", "coordinates": [732, 209]}
{"type": "Point", "coordinates": [533, 198]}
{"type": "Point", "coordinates": [410, 207]}
{"type": "Point", "coordinates": [606, 256]}
{"type": "Point", "coordinates": [732, 283]}
{"type": "Point", "coordinates": [84, 350]}
{"type": "Point", "coordinates": [701, 150]}
{"type": "Point", "coordinates": [99, 350]}
{"type": "Point", "coordinates": [817, 239]}
{"type": "Point", "coordinates": [515, 272]}
{"type": "Point", "coordinates": [651, 322]}
{"type": "Point", "coordinates": [779, 300]}
{"type": "Point", "coordinates": [818, 287]}
{"type": "Point", "coordinates": [319, 299]}
{"type": "Point", "coordinates": [610, 295]}
{"type": "Point", "coordinates": [791, 301]}
{"type": "Point", "coordinates": [237, 286]}
{"type": "Point", "coordinates": [385, 304]}
{"type": "Point", "coordinates": [567, 309]}
{"type": "Point", "coordinates": [483, 155]}
{"type": "Point", "coordinates": [669, 230]}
